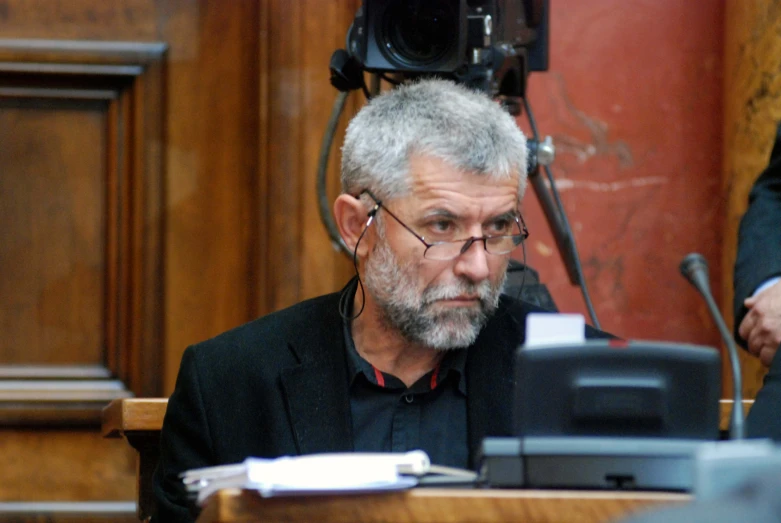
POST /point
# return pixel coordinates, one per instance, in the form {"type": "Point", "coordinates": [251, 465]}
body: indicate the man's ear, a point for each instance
{"type": "Point", "coordinates": [351, 216]}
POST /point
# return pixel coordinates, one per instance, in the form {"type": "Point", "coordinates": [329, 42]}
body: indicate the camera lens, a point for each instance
{"type": "Point", "coordinates": [420, 32]}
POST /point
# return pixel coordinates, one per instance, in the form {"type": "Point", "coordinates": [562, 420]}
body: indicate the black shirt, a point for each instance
{"type": "Point", "coordinates": [430, 415]}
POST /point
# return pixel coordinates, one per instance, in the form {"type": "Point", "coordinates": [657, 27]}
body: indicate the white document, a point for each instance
{"type": "Point", "coordinates": [544, 328]}
{"type": "Point", "coordinates": [336, 473]}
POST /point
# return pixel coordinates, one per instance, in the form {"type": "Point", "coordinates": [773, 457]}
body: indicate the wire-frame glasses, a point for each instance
{"type": "Point", "coordinates": [450, 250]}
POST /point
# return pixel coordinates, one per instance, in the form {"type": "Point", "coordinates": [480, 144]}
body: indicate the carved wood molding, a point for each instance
{"type": "Point", "coordinates": [125, 82]}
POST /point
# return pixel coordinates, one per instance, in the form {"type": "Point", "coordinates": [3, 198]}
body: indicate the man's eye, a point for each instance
{"type": "Point", "coordinates": [441, 226]}
{"type": "Point", "coordinates": [500, 227]}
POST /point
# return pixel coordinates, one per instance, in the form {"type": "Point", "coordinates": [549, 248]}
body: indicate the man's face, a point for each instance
{"type": "Point", "coordinates": [440, 304]}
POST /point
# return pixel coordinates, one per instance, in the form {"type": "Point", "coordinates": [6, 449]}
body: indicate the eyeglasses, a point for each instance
{"type": "Point", "coordinates": [452, 249]}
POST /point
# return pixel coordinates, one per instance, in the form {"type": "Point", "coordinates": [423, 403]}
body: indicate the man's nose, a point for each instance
{"type": "Point", "coordinates": [473, 263]}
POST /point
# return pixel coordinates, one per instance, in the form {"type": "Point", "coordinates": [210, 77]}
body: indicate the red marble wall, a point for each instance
{"type": "Point", "coordinates": [633, 102]}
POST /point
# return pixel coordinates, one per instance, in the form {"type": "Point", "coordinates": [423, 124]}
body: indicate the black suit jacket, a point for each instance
{"type": "Point", "coordinates": [758, 259]}
{"type": "Point", "coordinates": [278, 386]}
{"type": "Point", "coordinates": [764, 418]}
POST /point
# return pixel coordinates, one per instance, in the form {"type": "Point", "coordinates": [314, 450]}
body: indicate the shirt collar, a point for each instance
{"type": "Point", "coordinates": [454, 360]}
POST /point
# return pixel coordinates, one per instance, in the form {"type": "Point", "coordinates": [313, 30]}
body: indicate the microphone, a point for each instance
{"type": "Point", "coordinates": [694, 268]}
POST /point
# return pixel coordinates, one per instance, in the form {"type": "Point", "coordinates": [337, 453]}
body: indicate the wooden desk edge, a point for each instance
{"type": "Point", "coordinates": [725, 411]}
{"type": "Point", "coordinates": [133, 415]}
{"type": "Point", "coordinates": [429, 492]}
{"type": "Point", "coordinates": [428, 505]}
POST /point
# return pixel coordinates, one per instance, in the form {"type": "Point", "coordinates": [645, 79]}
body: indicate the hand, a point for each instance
{"type": "Point", "coordinates": [761, 327]}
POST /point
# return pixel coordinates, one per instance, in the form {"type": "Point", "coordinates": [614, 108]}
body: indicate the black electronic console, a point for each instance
{"type": "Point", "coordinates": [608, 414]}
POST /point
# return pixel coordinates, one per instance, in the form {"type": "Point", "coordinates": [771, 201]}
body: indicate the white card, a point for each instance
{"type": "Point", "coordinates": [543, 328]}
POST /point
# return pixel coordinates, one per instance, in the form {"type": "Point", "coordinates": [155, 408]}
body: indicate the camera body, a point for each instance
{"type": "Point", "coordinates": [491, 45]}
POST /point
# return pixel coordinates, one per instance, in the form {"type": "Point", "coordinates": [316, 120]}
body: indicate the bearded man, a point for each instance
{"type": "Point", "coordinates": [416, 352]}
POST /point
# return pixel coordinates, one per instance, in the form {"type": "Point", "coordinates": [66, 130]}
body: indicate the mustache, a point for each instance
{"type": "Point", "coordinates": [482, 290]}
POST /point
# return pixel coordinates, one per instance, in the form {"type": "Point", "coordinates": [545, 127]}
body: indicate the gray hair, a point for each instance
{"type": "Point", "coordinates": [440, 118]}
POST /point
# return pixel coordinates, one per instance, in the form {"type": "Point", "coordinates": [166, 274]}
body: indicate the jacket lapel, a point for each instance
{"type": "Point", "coordinates": [316, 391]}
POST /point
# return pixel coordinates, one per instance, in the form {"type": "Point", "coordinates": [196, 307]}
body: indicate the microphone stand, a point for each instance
{"type": "Point", "coordinates": [694, 268]}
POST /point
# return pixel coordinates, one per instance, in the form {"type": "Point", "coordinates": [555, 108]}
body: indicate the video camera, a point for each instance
{"type": "Point", "coordinates": [490, 45]}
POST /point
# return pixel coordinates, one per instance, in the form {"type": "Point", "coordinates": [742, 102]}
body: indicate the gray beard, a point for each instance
{"type": "Point", "coordinates": [419, 317]}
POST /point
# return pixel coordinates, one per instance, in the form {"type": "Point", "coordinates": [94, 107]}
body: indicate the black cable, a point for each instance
{"type": "Point", "coordinates": [322, 169]}
{"type": "Point", "coordinates": [565, 222]}
{"type": "Point", "coordinates": [344, 299]}
{"type": "Point", "coordinates": [325, 153]}
{"type": "Point", "coordinates": [366, 91]}
{"type": "Point", "coordinates": [519, 294]}
{"type": "Point", "coordinates": [375, 86]}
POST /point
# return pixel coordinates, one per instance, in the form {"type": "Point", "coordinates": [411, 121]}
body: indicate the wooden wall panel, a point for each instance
{"type": "Point", "coordinates": [52, 208]}
{"type": "Point", "coordinates": [100, 153]}
{"type": "Point", "coordinates": [45, 471]}
{"type": "Point", "coordinates": [133, 20]}
{"type": "Point", "coordinates": [35, 465]}
{"type": "Point", "coordinates": [752, 110]}
{"type": "Point", "coordinates": [301, 261]}
{"type": "Point", "coordinates": [213, 204]}
{"type": "Point", "coordinates": [82, 210]}
{"type": "Point", "coordinates": [210, 239]}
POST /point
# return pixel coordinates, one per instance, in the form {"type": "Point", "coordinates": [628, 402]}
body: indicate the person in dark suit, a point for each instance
{"type": "Point", "coordinates": [758, 266]}
{"type": "Point", "coordinates": [757, 283]}
{"type": "Point", "coordinates": [417, 351]}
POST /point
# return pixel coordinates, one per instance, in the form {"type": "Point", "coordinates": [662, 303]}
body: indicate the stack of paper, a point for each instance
{"type": "Point", "coordinates": [313, 474]}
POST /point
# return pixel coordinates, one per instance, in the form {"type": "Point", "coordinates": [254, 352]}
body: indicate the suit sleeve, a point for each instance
{"type": "Point", "coordinates": [185, 443]}
{"type": "Point", "coordinates": [759, 237]}
{"type": "Point", "coordinates": [764, 419]}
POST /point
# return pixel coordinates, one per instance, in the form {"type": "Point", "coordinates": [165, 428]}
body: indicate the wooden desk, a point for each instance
{"type": "Point", "coordinates": [436, 505]}
{"type": "Point", "coordinates": [140, 420]}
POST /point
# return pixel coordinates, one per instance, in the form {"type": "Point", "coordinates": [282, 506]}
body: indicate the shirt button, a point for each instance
{"type": "Point", "coordinates": [409, 398]}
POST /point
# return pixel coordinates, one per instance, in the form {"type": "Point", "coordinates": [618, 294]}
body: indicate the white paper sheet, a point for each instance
{"type": "Point", "coordinates": [554, 328]}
